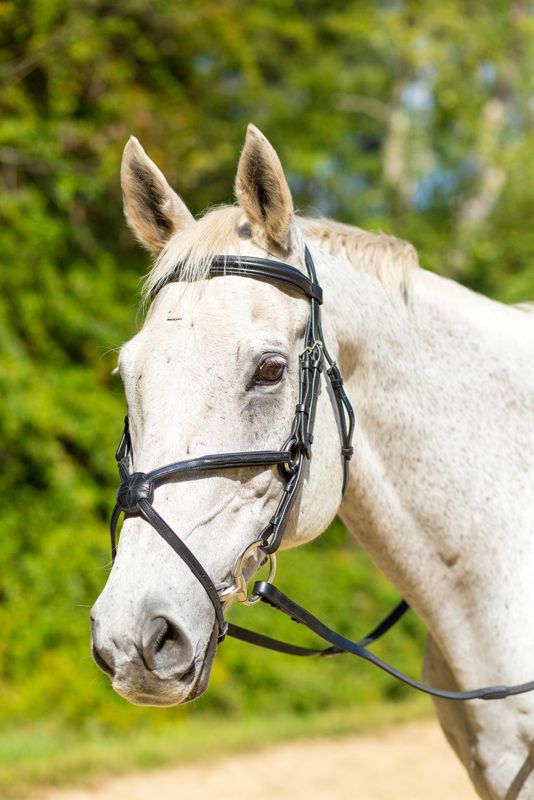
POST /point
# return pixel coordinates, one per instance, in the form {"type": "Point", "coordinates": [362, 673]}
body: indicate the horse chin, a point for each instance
{"type": "Point", "coordinates": [154, 692]}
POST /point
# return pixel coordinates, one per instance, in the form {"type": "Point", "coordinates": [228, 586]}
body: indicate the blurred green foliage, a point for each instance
{"type": "Point", "coordinates": [406, 117]}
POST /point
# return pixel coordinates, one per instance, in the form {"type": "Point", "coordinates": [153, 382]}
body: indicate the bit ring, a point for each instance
{"type": "Point", "coordinates": [238, 590]}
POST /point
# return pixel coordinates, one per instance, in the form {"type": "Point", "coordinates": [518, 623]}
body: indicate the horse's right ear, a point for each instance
{"type": "Point", "coordinates": [153, 210]}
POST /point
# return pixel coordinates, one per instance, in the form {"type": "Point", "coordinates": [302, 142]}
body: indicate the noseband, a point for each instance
{"type": "Point", "coordinates": [135, 496]}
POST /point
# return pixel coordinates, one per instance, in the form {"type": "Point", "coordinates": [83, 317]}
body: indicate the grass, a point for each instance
{"type": "Point", "coordinates": [47, 755]}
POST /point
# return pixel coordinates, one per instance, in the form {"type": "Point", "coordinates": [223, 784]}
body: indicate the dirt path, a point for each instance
{"type": "Point", "coordinates": [406, 762]}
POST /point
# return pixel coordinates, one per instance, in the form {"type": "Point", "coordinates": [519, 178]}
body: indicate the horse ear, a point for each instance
{"type": "Point", "coordinates": [153, 210]}
{"type": "Point", "coordinates": [261, 188]}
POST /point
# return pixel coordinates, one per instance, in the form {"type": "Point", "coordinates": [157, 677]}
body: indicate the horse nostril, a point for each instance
{"type": "Point", "coordinates": [167, 634]}
{"type": "Point", "coordinates": [166, 649]}
{"type": "Point", "coordinates": [101, 662]}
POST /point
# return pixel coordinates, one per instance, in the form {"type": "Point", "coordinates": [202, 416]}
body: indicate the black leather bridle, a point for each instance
{"type": "Point", "coordinates": [136, 493]}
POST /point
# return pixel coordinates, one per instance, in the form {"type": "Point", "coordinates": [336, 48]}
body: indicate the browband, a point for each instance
{"type": "Point", "coordinates": [261, 269]}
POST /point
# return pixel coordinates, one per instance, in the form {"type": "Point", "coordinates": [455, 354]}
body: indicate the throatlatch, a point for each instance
{"type": "Point", "coordinates": [135, 496]}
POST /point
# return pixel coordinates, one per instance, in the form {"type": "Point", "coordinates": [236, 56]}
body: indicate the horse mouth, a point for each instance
{"type": "Point", "coordinates": [151, 691]}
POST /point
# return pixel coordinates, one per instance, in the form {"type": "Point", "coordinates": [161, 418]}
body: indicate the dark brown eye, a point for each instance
{"type": "Point", "coordinates": [269, 370]}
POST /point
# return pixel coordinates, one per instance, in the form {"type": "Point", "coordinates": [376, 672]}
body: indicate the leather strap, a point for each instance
{"type": "Point", "coordinates": [260, 640]}
{"type": "Point", "coordinates": [261, 269]}
{"type": "Point", "coordinates": [190, 468]}
{"type": "Point", "coordinates": [274, 597]}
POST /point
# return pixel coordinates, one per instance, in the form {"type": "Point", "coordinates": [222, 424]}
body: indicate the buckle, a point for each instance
{"type": "Point", "coordinates": [311, 357]}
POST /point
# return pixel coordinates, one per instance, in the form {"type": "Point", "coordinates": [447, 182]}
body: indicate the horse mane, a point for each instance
{"type": "Point", "coordinates": [386, 258]}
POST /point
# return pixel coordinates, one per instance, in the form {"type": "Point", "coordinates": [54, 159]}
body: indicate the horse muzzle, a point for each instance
{"type": "Point", "coordinates": [158, 666]}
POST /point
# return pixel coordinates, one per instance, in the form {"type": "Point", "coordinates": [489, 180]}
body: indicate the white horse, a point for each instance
{"type": "Point", "coordinates": [441, 487]}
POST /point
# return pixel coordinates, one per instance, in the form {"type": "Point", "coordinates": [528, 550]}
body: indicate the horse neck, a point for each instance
{"type": "Point", "coordinates": [441, 479]}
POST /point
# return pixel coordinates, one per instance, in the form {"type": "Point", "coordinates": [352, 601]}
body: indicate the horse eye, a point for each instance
{"type": "Point", "coordinates": [269, 370]}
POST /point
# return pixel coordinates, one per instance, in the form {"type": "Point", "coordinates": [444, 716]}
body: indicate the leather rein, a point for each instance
{"type": "Point", "coordinates": [135, 495]}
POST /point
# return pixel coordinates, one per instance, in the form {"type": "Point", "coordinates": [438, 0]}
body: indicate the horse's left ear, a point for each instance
{"type": "Point", "coordinates": [261, 189]}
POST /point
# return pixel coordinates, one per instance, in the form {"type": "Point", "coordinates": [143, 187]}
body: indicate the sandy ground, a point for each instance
{"type": "Point", "coordinates": [406, 762]}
